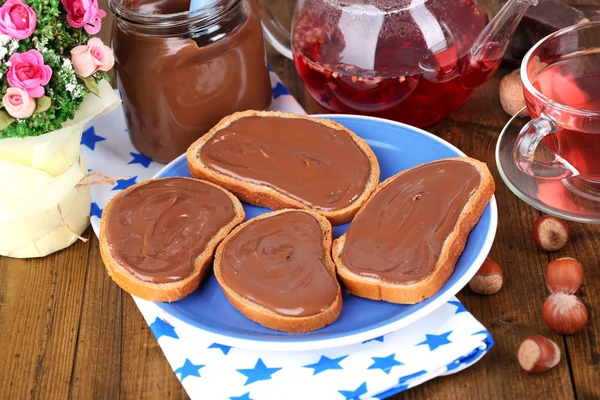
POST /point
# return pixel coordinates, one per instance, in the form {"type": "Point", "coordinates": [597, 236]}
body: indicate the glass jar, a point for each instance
{"type": "Point", "coordinates": [179, 72]}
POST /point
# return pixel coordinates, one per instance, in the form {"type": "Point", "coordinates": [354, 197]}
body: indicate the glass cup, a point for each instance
{"type": "Point", "coordinates": [561, 84]}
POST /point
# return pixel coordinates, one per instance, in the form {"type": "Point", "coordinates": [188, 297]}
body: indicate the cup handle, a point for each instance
{"type": "Point", "coordinates": [275, 33]}
{"type": "Point", "coordinates": [526, 144]}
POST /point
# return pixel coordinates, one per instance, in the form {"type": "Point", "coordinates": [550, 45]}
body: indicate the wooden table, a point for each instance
{"type": "Point", "coordinates": [68, 331]}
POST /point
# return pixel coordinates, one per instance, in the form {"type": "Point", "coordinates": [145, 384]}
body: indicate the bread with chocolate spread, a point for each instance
{"type": "Point", "coordinates": [284, 160]}
{"type": "Point", "coordinates": [158, 238]}
{"type": "Point", "coordinates": [403, 244]}
{"type": "Point", "coordinates": [276, 269]}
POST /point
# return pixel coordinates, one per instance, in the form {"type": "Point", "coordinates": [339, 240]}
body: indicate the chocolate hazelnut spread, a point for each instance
{"type": "Point", "coordinates": [178, 81]}
{"type": "Point", "coordinates": [157, 230]}
{"type": "Point", "coordinates": [310, 162]}
{"type": "Point", "coordinates": [278, 263]}
{"type": "Point", "coordinates": [400, 234]}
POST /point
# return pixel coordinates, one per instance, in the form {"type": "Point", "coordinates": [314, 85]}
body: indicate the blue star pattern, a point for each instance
{"type": "Point", "coordinates": [354, 394]}
{"type": "Point", "coordinates": [125, 183]}
{"type": "Point", "coordinates": [459, 307]}
{"type": "Point", "coordinates": [245, 396]}
{"type": "Point", "coordinates": [435, 341]}
{"type": "Point", "coordinates": [95, 211]}
{"type": "Point", "coordinates": [378, 339]}
{"type": "Point", "coordinates": [160, 328]}
{"type": "Point", "coordinates": [89, 138]}
{"type": "Point", "coordinates": [279, 90]}
{"type": "Point", "coordinates": [140, 159]}
{"type": "Point", "coordinates": [453, 365]}
{"type": "Point", "coordinates": [325, 363]}
{"type": "Point", "coordinates": [406, 378]}
{"type": "Point", "coordinates": [222, 347]}
{"type": "Point", "coordinates": [391, 392]}
{"type": "Point", "coordinates": [385, 363]}
{"type": "Point", "coordinates": [260, 372]}
{"type": "Point", "coordinates": [188, 369]}
{"type": "Point", "coordinates": [380, 363]}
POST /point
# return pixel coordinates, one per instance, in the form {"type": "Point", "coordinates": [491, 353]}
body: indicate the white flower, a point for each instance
{"type": "Point", "coordinates": [8, 46]}
{"type": "Point", "coordinates": [4, 39]}
{"type": "Point", "coordinates": [40, 45]}
{"type": "Point", "coordinates": [13, 45]}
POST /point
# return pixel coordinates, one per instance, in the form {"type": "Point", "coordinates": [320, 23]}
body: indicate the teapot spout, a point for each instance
{"type": "Point", "coordinates": [492, 42]}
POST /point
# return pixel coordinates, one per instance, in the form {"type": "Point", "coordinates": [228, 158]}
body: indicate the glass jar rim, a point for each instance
{"type": "Point", "coordinates": [528, 85]}
{"type": "Point", "coordinates": [207, 13]}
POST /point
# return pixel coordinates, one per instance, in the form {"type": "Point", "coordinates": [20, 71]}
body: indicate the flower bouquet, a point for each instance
{"type": "Point", "coordinates": [52, 82]}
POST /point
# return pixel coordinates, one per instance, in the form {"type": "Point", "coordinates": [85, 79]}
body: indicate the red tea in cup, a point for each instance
{"type": "Point", "coordinates": [574, 82]}
{"type": "Point", "coordinates": [561, 82]}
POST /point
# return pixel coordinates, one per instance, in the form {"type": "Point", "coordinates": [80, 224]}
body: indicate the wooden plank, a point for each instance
{"type": "Point", "coordinates": [584, 347]}
{"type": "Point", "coordinates": [97, 361]}
{"type": "Point", "coordinates": [40, 304]}
{"type": "Point", "coordinates": [145, 372]}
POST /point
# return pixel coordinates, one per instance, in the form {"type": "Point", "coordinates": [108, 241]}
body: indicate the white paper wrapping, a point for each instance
{"type": "Point", "coordinates": [37, 174]}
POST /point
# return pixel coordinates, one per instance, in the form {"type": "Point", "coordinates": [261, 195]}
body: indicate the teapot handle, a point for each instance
{"type": "Point", "coordinates": [275, 33]}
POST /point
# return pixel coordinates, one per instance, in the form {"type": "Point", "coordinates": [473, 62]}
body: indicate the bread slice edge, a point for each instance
{"type": "Point", "coordinates": [378, 289]}
{"type": "Point", "coordinates": [269, 318]}
{"type": "Point", "coordinates": [171, 291]}
{"type": "Point", "coordinates": [265, 196]}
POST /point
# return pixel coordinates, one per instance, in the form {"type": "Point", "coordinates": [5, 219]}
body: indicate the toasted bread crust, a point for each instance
{"type": "Point", "coordinates": [454, 245]}
{"type": "Point", "coordinates": [264, 196]}
{"type": "Point", "coordinates": [271, 319]}
{"type": "Point", "coordinates": [172, 291]}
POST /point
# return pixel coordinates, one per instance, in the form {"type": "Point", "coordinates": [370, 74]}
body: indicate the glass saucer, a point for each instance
{"type": "Point", "coordinates": [571, 199]}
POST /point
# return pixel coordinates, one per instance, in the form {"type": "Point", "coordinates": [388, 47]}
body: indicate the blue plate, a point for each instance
{"type": "Point", "coordinates": [397, 147]}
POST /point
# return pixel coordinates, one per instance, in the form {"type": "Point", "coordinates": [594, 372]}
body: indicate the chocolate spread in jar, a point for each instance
{"type": "Point", "coordinates": [305, 160]}
{"type": "Point", "coordinates": [157, 230]}
{"type": "Point", "coordinates": [278, 263]}
{"type": "Point", "coordinates": [400, 234]}
{"type": "Point", "coordinates": [175, 88]}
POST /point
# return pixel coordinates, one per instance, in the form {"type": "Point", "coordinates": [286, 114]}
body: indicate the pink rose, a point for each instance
{"type": "Point", "coordinates": [27, 71]}
{"type": "Point", "coordinates": [17, 19]}
{"type": "Point", "coordinates": [84, 13]}
{"type": "Point", "coordinates": [91, 58]}
{"type": "Point", "coordinates": [18, 103]}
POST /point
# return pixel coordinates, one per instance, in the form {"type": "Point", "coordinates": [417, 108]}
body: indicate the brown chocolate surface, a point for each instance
{"type": "Point", "coordinates": [157, 230]}
{"type": "Point", "coordinates": [175, 88]}
{"type": "Point", "coordinates": [399, 236]}
{"type": "Point", "coordinates": [278, 263]}
{"type": "Point", "coordinates": [305, 160]}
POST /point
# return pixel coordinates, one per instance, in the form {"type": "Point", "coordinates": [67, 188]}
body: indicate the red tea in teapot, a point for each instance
{"type": "Point", "coordinates": [406, 60]}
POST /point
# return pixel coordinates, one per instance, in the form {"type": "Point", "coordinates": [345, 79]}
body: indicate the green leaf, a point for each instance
{"type": "Point", "coordinates": [42, 104]}
{"type": "Point", "coordinates": [5, 120]}
{"type": "Point", "coordinates": [91, 84]}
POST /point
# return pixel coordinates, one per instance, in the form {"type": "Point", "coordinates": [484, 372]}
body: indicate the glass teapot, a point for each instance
{"type": "Point", "coordinates": [413, 61]}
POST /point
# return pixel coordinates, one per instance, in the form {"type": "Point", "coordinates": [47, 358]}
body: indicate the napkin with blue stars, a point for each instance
{"type": "Point", "coordinates": [444, 342]}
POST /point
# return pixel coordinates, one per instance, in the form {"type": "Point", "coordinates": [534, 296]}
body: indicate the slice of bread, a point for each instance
{"type": "Point", "coordinates": [265, 196]}
{"type": "Point", "coordinates": [453, 246]}
{"type": "Point", "coordinates": [267, 317]}
{"type": "Point", "coordinates": [171, 291]}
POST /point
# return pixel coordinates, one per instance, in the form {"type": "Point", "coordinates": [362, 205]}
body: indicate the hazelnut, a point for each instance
{"type": "Point", "coordinates": [550, 233]}
{"type": "Point", "coordinates": [489, 278]}
{"type": "Point", "coordinates": [511, 94]}
{"type": "Point", "coordinates": [564, 275]}
{"type": "Point", "coordinates": [564, 313]}
{"type": "Point", "coordinates": [538, 354]}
